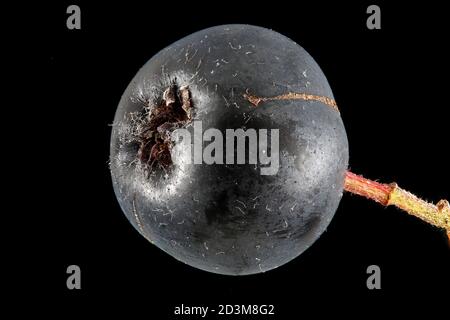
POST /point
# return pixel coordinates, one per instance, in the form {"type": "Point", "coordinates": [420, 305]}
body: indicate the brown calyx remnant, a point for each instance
{"type": "Point", "coordinates": [173, 112]}
{"type": "Point", "coordinates": [292, 96]}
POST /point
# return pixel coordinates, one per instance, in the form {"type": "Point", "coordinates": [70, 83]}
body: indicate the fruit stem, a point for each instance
{"type": "Point", "coordinates": [391, 194]}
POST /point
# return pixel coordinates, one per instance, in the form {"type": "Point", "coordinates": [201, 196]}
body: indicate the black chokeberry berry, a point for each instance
{"type": "Point", "coordinates": [227, 151]}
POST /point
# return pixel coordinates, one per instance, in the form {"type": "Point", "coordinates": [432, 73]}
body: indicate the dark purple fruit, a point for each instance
{"type": "Point", "coordinates": [229, 218]}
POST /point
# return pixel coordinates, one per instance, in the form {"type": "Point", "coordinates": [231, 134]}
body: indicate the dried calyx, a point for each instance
{"type": "Point", "coordinates": [174, 111]}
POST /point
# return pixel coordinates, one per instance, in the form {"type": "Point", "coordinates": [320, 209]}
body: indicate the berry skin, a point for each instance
{"type": "Point", "coordinates": [229, 218]}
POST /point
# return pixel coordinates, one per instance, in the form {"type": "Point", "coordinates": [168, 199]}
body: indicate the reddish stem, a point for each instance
{"type": "Point", "coordinates": [391, 194]}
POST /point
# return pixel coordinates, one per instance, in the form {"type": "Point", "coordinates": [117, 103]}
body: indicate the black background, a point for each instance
{"type": "Point", "coordinates": [391, 87]}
